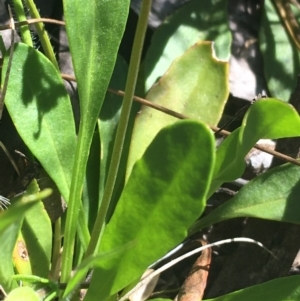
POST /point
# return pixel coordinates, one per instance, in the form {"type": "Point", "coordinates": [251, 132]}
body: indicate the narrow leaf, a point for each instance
{"type": "Point", "coordinates": [98, 28]}
{"type": "Point", "coordinates": [273, 195]}
{"type": "Point", "coordinates": [10, 223]}
{"type": "Point", "coordinates": [37, 232]}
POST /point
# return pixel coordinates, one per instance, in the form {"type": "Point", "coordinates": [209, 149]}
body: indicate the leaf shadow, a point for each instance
{"type": "Point", "coordinates": [40, 86]}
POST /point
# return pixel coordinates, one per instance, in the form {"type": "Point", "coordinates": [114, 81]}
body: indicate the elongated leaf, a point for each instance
{"type": "Point", "coordinates": [282, 289]}
{"type": "Point", "coordinates": [87, 265]}
{"type": "Point", "coordinates": [280, 70]}
{"type": "Point", "coordinates": [267, 118]}
{"type": "Point", "coordinates": [37, 232]}
{"type": "Point", "coordinates": [195, 85]}
{"type": "Point", "coordinates": [203, 20]}
{"type": "Point", "coordinates": [8, 238]}
{"type": "Point", "coordinates": [109, 118]}
{"type": "Point", "coordinates": [97, 27]}
{"type": "Point", "coordinates": [165, 193]}
{"type": "Point", "coordinates": [41, 111]}
{"type": "Point", "coordinates": [10, 222]}
{"type": "Point", "coordinates": [274, 195]}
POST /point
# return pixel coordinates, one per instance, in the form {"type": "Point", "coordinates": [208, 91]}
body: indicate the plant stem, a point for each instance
{"type": "Point", "coordinates": [24, 30]}
{"type": "Point", "coordinates": [122, 126]}
{"type": "Point", "coordinates": [40, 28]}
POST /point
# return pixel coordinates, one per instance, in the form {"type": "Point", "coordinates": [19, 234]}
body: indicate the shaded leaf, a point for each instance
{"type": "Point", "coordinates": [280, 70]}
{"type": "Point", "coordinates": [157, 205]}
{"type": "Point", "coordinates": [282, 289]}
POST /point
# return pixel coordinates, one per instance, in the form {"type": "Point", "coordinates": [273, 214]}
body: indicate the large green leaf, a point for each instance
{"type": "Point", "coordinates": [94, 32]}
{"type": "Point", "coordinates": [164, 195]}
{"type": "Point", "coordinates": [267, 118]}
{"type": "Point", "coordinates": [282, 289]}
{"type": "Point", "coordinates": [281, 56]}
{"type": "Point", "coordinates": [274, 195]}
{"type": "Point", "coordinates": [195, 85]}
{"type": "Point", "coordinates": [41, 111]}
{"type": "Point", "coordinates": [204, 20]}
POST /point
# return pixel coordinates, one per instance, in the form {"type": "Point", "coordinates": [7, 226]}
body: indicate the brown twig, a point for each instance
{"type": "Point", "coordinates": [31, 21]}
{"type": "Point", "coordinates": [181, 116]}
{"type": "Point", "coordinates": [195, 283]}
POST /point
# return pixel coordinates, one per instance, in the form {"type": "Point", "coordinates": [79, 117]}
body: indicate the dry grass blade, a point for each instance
{"type": "Point", "coordinates": [11, 159]}
{"type": "Point", "coordinates": [32, 21]}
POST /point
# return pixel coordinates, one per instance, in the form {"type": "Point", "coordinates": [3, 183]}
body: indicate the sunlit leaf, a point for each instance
{"type": "Point", "coordinates": [204, 20]}
{"type": "Point", "coordinates": [164, 195]}
{"type": "Point", "coordinates": [195, 85]}
{"type": "Point", "coordinates": [273, 195]}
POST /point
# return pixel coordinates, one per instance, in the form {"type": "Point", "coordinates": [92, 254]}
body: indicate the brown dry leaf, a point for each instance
{"type": "Point", "coordinates": [194, 285]}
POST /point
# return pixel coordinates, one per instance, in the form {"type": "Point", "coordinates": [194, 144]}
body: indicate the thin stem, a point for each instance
{"type": "Point", "coordinates": [24, 30]}
{"type": "Point", "coordinates": [122, 126]}
{"type": "Point", "coordinates": [44, 38]}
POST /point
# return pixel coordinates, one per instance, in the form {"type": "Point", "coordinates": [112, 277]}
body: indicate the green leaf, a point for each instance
{"type": "Point", "coordinates": [88, 264]}
{"type": "Point", "coordinates": [206, 20]}
{"type": "Point", "coordinates": [109, 118]}
{"type": "Point", "coordinates": [196, 85]}
{"type": "Point", "coordinates": [267, 118]}
{"type": "Point", "coordinates": [22, 294]}
{"type": "Point", "coordinates": [273, 195]}
{"type": "Point", "coordinates": [10, 223]}
{"type": "Point", "coordinates": [40, 108]}
{"type": "Point", "coordinates": [8, 238]}
{"type": "Point", "coordinates": [281, 56]}
{"type": "Point", "coordinates": [98, 28]}
{"type": "Point", "coordinates": [164, 195]}
{"type": "Point", "coordinates": [37, 232]}
{"type": "Point", "coordinates": [282, 289]}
